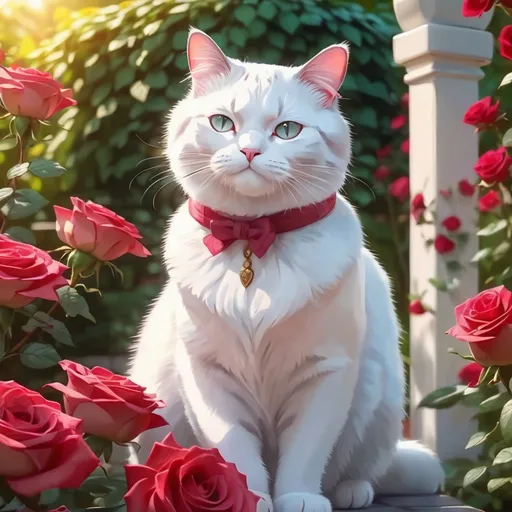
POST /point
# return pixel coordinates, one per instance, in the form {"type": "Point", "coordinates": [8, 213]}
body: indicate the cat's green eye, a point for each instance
{"type": "Point", "coordinates": [221, 123]}
{"type": "Point", "coordinates": [288, 130]}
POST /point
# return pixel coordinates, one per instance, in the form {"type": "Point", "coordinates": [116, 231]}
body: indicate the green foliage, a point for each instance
{"type": "Point", "coordinates": [126, 65]}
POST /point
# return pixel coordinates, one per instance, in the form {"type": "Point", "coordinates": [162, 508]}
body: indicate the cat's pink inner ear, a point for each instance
{"type": "Point", "coordinates": [326, 71]}
{"type": "Point", "coordinates": [205, 60]}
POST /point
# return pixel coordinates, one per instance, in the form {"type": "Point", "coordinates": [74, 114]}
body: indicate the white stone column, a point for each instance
{"type": "Point", "coordinates": [442, 53]}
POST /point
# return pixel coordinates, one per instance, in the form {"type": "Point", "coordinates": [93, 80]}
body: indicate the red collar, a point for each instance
{"type": "Point", "coordinates": [261, 232]}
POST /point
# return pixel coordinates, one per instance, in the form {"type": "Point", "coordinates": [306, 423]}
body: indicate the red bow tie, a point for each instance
{"type": "Point", "coordinates": [260, 233]}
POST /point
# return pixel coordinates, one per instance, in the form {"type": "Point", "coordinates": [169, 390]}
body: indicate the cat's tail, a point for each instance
{"type": "Point", "coordinates": [415, 470]}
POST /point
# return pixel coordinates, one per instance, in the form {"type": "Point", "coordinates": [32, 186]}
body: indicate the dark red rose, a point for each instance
{"type": "Point", "coordinates": [443, 244]}
{"type": "Point", "coordinates": [416, 307]}
{"type": "Point", "coordinates": [404, 100]}
{"type": "Point", "coordinates": [384, 152]}
{"type": "Point", "coordinates": [398, 122]}
{"type": "Point", "coordinates": [405, 146]}
{"type": "Point", "coordinates": [418, 206]}
{"type": "Point", "coordinates": [466, 188]}
{"type": "Point", "coordinates": [484, 321]}
{"type": "Point", "coordinates": [382, 172]}
{"type": "Point", "coordinates": [470, 374]}
{"type": "Point", "coordinates": [482, 113]}
{"type": "Point", "coordinates": [494, 165]}
{"type": "Point", "coordinates": [489, 201]}
{"type": "Point", "coordinates": [452, 223]}
{"type": "Point", "coordinates": [400, 188]}
{"type": "Point", "coordinates": [176, 479]}
{"type": "Point", "coordinates": [472, 8]}
{"type": "Point", "coordinates": [505, 40]}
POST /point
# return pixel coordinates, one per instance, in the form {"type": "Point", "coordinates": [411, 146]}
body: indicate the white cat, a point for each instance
{"type": "Point", "coordinates": [297, 378]}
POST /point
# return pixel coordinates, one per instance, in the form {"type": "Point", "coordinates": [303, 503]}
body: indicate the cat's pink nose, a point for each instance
{"type": "Point", "coordinates": [250, 153]}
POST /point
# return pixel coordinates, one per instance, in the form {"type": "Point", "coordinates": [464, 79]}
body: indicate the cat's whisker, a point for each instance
{"type": "Point", "coordinates": [312, 176]}
{"type": "Point", "coordinates": [355, 178]}
{"type": "Point", "coordinates": [150, 158]}
{"type": "Point", "coordinates": [157, 192]}
{"type": "Point", "coordinates": [140, 173]}
{"type": "Point", "coordinates": [149, 187]}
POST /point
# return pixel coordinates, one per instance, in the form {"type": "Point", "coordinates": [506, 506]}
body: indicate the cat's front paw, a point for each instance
{"type": "Point", "coordinates": [265, 503]}
{"type": "Point", "coordinates": [353, 494]}
{"type": "Point", "coordinates": [302, 502]}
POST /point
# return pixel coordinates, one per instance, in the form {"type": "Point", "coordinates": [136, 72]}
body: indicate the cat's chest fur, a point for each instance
{"type": "Point", "coordinates": [299, 267]}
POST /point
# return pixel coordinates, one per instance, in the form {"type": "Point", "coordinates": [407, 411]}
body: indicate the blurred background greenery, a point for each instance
{"type": "Point", "coordinates": [126, 64]}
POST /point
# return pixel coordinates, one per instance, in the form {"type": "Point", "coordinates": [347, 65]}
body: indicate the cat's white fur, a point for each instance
{"type": "Point", "coordinates": [297, 379]}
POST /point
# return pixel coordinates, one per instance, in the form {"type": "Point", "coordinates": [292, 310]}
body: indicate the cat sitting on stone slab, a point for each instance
{"type": "Point", "coordinates": [275, 339]}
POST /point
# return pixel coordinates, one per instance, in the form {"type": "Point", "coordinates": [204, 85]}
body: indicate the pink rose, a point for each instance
{"type": "Point", "coordinates": [176, 479]}
{"type": "Point", "coordinates": [111, 406]}
{"type": "Point", "coordinates": [96, 230]}
{"type": "Point", "coordinates": [484, 321]}
{"type": "Point", "coordinates": [398, 122]}
{"type": "Point", "coordinates": [27, 273]}
{"type": "Point", "coordinates": [40, 447]}
{"type": "Point", "coordinates": [32, 93]}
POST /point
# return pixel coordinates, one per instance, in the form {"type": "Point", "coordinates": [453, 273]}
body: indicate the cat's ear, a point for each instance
{"type": "Point", "coordinates": [205, 60]}
{"type": "Point", "coordinates": [326, 71]}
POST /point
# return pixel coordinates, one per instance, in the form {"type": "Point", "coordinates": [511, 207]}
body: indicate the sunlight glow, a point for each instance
{"type": "Point", "coordinates": [33, 4]}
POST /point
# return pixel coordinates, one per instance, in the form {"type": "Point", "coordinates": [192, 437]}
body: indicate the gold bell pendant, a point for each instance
{"type": "Point", "coordinates": [247, 273]}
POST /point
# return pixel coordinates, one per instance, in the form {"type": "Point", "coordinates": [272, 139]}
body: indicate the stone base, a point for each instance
{"type": "Point", "coordinates": [418, 504]}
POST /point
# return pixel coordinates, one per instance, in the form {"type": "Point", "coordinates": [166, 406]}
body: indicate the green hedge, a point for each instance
{"type": "Point", "coordinates": [126, 64]}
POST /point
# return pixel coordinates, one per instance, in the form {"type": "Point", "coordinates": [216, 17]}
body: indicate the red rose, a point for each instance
{"type": "Point", "coordinates": [398, 122]}
{"type": "Point", "coordinates": [482, 113]}
{"type": "Point", "coordinates": [404, 100]}
{"type": "Point", "coordinates": [418, 206]}
{"type": "Point", "coordinates": [505, 39]}
{"type": "Point", "coordinates": [32, 93]}
{"type": "Point", "coordinates": [382, 172]}
{"type": "Point", "coordinates": [489, 201]}
{"type": "Point", "coordinates": [470, 374]}
{"type": "Point", "coordinates": [452, 223]}
{"type": "Point", "coordinates": [484, 322]}
{"type": "Point", "coordinates": [96, 230]}
{"type": "Point", "coordinates": [405, 147]}
{"type": "Point", "coordinates": [400, 188]}
{"type": "Point", "coordinates": [176, 479]}
{"type": "Point", "coordinates": [472, 8]}
{"type": "Point", "coordinates": [111, 406]}
{"type": "Point", "coordinates": [446, 193]}
{"type": "Point", "coordinates": [384, 152]}
{"type": "Point", "coordinates": [443, 244]}
{"type": "Point", "coordinates": [2, 56]}
{"type": "Point", "coordinates": [465, 188]}
{"type": "Point", "coordinates": [40, 447]}
{"type": "Point", "coordinates": [416, 307]}
{"type": "Point", "coordinates": [494, 165]}
{"type": "Point", "coordinates": [27, 273]}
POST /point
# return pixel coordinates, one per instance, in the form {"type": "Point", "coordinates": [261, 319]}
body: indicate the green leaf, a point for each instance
{"type": "Point", "coordinates": [124, 77]}
{"type": "Point", "coordinates": [493, 228]}
{"type": "Point", "coordinates": [157, 79]}
{"type": "Point", "coordinates": [289, 22]}
{"type": "Point", "coordinates": [352, 34]}
{"type": "Point", "coordinates": [494, 403]}
{"type": "Point", "coordinates": [245, 14]}
{"type": "Point", "coordinates": [503, 457]}
{"type": "Point", "coordinates": [474, 475]}
{"type": "Point", "coordinates": [257, 28]}
{"type": "Point", "coordinates": [476, 439]}
{"type": "Point", "coordinates": [17, 171]}
{"type": "Point", "coordinates": [140, 91]}
{"type": "Point", "coordinates": [39, 356]}
{"type": "Point", "coordinates": [277, 39]}
{"type": "Point", "coordinates": [24, 203]}
{"type": "Point", "coordinates": [56, 329]}
{"type": "Point", "coordinates": [506, 80]}
{"type": "Point", "coordinates": [100, 93]}
{"type": "Point", "coordinates": [507, 138]}
{"type": "Point", "coordinates": [481, 254]}
{"type": "Point", "coordinates": [73, 303]}
{"type": "Point", "coordinates": [311, 19]}
{"type": "Point", "coordinates": [496, 483]}
{"type": "Point", "coordinates": [21, 234]}
{"type": "Point", "coordinates": [5, 193]}
{"type": "Point", "coordinates": [179, 40]}
{"type": "Point", "coordinates": [45, 168]}
{"type": "Point", "coordinates": [107, 109]}
{"type": "Point", "coordinates": [506, 421]}
{"type": "Point", "coordinates": [439, 284]}
{"type": "Point", "coordinates": [238, 35]}
{"type": "Point", "coordinates": [443, 397]}
{"type": "Point", "coordinates": [49, 496]}
{"type": "Point", "coordinates": [453, 266]}
{"type": "Point", "coordinates": [267, 10]}
{"type": "Point", "coordinates": [363, 196]}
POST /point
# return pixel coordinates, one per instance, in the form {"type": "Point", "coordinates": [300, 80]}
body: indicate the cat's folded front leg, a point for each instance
{"type": "Point", "coordinates": [221, 419]}
{"type": "Point", "coordinates": [305, 447]}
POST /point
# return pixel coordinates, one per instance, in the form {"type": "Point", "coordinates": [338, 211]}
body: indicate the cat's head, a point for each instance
{"type": "Point", "coordinates": [252, 139]}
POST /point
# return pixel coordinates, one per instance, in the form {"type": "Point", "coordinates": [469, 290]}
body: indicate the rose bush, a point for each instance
{"type": "Point", "coordinates": [110, 406]}
{"type": "Point", "coordinates": [27, 273]}
{"type": "Point", "coordinates": [176, 479]}
{"type": "Point", "coordinates": [32, 93]}
{"type": "Point", "coordinates": [40, 447]}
